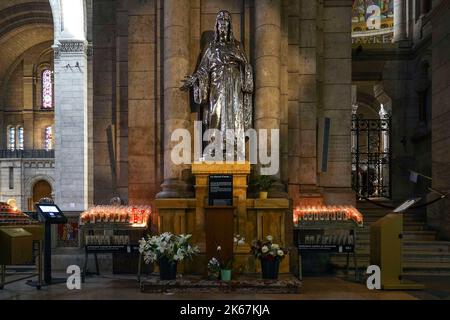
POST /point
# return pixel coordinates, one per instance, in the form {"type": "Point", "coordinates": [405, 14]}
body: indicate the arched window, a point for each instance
{"type": "Point", "coordinates": [11, 138]}
{"type": "Point", "coordinates": [48, 141]}
{"type": "Point", "coordinates": [47, 89]}
{"type": "Point", "coordinates": [20, 138]}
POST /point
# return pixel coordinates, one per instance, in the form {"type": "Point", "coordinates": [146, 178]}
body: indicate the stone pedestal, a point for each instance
{"type": "Point", "coordinates": [239, 171]}
{"type": "Point", "coordinates": [253, 218]}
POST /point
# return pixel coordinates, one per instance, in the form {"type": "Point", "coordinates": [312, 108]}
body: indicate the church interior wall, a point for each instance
{"type": "Point", "coordinates": [314, 82]}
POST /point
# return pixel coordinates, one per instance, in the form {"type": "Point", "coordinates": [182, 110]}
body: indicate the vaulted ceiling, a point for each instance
{"type": "Point", "coordinates": [23, 25]}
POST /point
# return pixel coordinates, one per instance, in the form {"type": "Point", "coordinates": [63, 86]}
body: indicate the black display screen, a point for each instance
{"type": "Point", "coordinates": [51, 213]}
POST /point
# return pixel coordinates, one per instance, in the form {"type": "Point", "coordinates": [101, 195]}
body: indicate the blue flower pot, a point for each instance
{"type": "Point", "coordinates": [270, 268]}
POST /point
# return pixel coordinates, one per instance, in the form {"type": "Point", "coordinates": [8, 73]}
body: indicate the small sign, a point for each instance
{"type": "Point", "coordinates": [220, 190]}
{"type": "Point", "coordinates": [325, 240]}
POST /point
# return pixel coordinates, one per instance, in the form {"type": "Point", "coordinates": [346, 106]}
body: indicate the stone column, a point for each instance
{"type": "Point", "coordinates": [267, 72]}
{"type": "Point", "coordinates": [28, 114]}
{"type": "Point", "coordinates": [309, 46]}
{"type": "Point", "coordinates": [122, 99]}
{"type": "Point", "coordinates": [72, 168]}
{"type": "Point", "coordinates": [293, 99]}
{"type": "Point", "coordinates": [336, 95]}
{"type": "Point", "coordinates": [176, 102]}
{"type": "Point", "coordinates": [399, 20]}
{"type": "Point", "coordinates": [3, 128]}
{"type": "Point", "coordinates": [143, 101]}
{"type": "Point", "coordinates": [104, 95]}
{"type": "Point", "coordinates": [284, 94]}
{"type": "Point", "coordinates": [438, 215]}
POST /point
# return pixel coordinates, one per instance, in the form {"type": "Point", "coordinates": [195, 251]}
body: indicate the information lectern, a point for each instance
{"type": "Point", "coordinates": [50, 214]}
{"type": "Point", "coordinates": [386, 236]}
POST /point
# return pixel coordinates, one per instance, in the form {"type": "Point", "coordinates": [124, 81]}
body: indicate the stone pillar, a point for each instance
{"type": "Point", "coordinates": [293, 101]}
{"type": "Point", "coordinates": [267, 72]}
{"type": "Point", "coordinates": [399, 20]}
{"type": "Point", "coordinates": [438, 215]}
{"type": "Point", "coordinates": [122, 99]}
{"type": "Point", "coordinates": [104, 96]}
{"type": "Point", "coordinates": [71, 126]}
{"type": "Point", "coordinates": [176, 102]}
{"type": "Point", "coordinates": [142, 101]}
{"type": "Point", "coordinates": [284, 95]}
{"type": "Point", "coordinates": [28, 114]}
{"type": "Point", "coordinates": [308, 100]}
{"type": "Point", "coordinates": [3, 128]}
{"type": "Point", "coordinates": [336, 95]}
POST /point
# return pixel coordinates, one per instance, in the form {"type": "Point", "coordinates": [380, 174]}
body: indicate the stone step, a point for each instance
{"type": "Point", "coordinates": [414, 245]}
{"type": "Point", "coordinates": [407, 235]}
{"type": "Point", "coordinates": [415, 227]}
{"type": "Point", "coordinates": [419, 235]}
{"type": "Point", "coordinates": [408, 226]}
{"type": "Point", "coordinates": [408, 257]}
{"type": "Point", "coordinates": [423, 256]}
{"type": "Point", "coordinates": [408, 266]}
{"type": "Point", "coordinates": [426, 268]}
{"type": "Point", "coordinates": [438, 246]}
{"type": "Point", "coordinates": [406, 219]}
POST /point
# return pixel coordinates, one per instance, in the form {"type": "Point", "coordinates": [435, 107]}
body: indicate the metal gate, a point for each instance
{"type": "Point", "coordinates": [371, 157]}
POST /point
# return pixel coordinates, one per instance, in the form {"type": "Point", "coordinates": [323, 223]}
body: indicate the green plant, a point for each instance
{"type": "Point", "coordinates": [263, 183]}
{"type": "Point", "coordinates": [224, 264]}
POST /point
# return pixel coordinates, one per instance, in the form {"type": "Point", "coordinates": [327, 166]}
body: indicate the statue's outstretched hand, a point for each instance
{"type": "Point", "coordinates": [188, 82]}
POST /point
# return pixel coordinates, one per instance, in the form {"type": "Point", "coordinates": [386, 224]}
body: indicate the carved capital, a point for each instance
{"type": "Point", "coordinates": [71, 47]}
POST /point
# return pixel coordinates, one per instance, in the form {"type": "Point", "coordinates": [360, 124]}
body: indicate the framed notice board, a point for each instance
{"type": "Point", "coordinates": [220, 190]}
{"type": "Point", "coordinates": [325, 239]}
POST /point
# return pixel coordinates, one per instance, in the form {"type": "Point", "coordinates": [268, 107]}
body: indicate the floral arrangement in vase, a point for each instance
{"type": "Point", "coordinates": [167, 250]}
{"type": "Point", "coordinates": [270, 255]}
{"type": "Point", "coordinates": [218, 267]}
{"type": "Point", "coordinates": [213, 268]}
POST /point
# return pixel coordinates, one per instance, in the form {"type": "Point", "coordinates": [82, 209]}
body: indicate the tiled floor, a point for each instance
{"type": "Point", "coordinates": [314, 288]}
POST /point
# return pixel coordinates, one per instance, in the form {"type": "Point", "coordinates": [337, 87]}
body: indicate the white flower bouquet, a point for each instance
{"type": "Point", "coordinates": [172, 247]}
{"type": "Point", "coordinates": [213, 268]}
{"type": "Point", "coordinates": [268, 250]}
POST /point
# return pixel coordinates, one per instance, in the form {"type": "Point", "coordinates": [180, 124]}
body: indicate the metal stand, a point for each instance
{"type": "Point", "coordinates": [328, 225]}
{"type": "Point", "coordinates": [94, 249]}
{"type": "Point", "coordinates": [355, 264]}
{"type": "Point", "coordinates": [139, 268]}
{"type": "Point", "coordinates": [48, 253]}
{"type": "Point", "coordinates": [97, 269]}
{"type": "Point", "coordinates": [38, 262]}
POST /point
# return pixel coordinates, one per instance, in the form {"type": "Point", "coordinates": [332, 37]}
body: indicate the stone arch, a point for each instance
{"type": "Point", "coordinates": [383, 98]}
{"type": "Point", "coordinates": [65, 26]}
{"type": "Point", "coordinates": [30, 182]}
{"type": "Point", "coordinates": [369, 102]}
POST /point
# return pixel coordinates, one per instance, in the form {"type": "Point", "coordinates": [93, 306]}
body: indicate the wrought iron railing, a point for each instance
{"type": "Point", "coordinates": [371, 157]}
{"type": "Point", "coordinates": [35, 153]}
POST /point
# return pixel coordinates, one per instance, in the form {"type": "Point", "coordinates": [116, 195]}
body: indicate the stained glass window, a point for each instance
{"type": "Point", "coordinates": [48, 138]}
{"type": "Point", "coordinates": [12, 138]}
{"type": "Point", "coordinates": [47, 89]}
{"type": "Point", "coordinates": [20, 138]}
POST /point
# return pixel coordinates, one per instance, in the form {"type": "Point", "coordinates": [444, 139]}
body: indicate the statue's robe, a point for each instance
{"type": "Point", "coordinates": [225, 84]}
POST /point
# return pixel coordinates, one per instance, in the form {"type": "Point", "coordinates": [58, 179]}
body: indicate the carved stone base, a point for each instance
{"type": "Point", "coordinates": [173, 188]}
